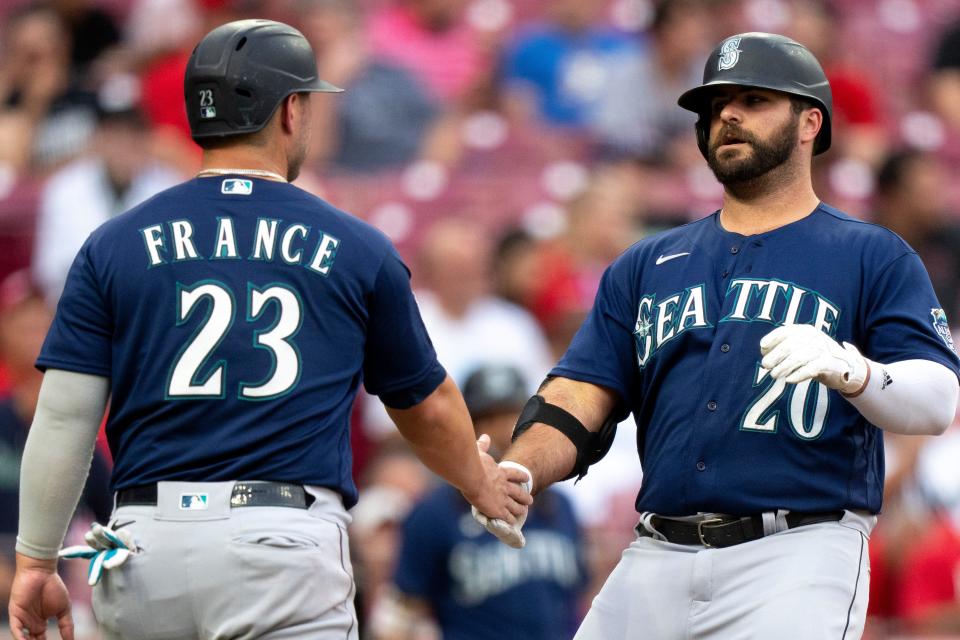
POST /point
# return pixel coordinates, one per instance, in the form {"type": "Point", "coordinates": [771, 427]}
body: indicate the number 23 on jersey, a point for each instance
{"type": "Point", "coordinates": [219, 302]}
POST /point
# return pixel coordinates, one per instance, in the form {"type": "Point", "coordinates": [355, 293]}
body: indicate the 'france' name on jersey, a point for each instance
{"type": "Point", "coordinates": [233, 346]}
{"type": "Point", "coordinates": [176, 237]}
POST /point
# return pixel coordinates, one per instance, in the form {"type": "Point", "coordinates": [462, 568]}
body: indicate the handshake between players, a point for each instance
{"type": "Point", "coordinates": [794, 353]}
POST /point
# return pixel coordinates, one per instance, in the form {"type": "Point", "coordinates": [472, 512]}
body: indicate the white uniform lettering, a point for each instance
{"type": "Point", "coordinates": [286, 242]}
{"type": "Point", "coordinates": [826, 315]}
{"type": "Point", "coordinates": [773, 288]}
{"type": "Point", "coordinates": [793, 307]}
{"type": "Point", "coordinates": [182, 240]}
{"type": "Point", "coordinates": [323, 258]}
{"type": "Point", "coordinates": [226, 239]}
{"type": "Point", "coordinates": [266, 239]}
{"type": "Point", "coordinates": [743, 297]}
{"type": "Point", "coordinates": [665, 319]}
{"type": "Point", "coordinates": [693, 308]}
{"type": "Point", "coordinates": [153, 237]}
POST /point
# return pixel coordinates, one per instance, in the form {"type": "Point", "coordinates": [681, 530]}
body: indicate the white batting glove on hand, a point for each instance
{"type": "Point", "coordinates": [106, 548]}
{"type": "Point", "coordinates": [799, 352]}
{"type": "Point", "coordinates": [509, 534]}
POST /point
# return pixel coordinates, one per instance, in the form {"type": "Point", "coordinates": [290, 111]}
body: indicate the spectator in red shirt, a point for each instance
{"type": "Point", "coordinates": [163, 45]}
{"type": "Point", "coordinates": [929, 594]}
{"type": "Point", "coordinates": [929, 599]}
{"type": "Point", "coordinates": [855, 101]}
{"type": "Point", "coordinates": [601, 223]}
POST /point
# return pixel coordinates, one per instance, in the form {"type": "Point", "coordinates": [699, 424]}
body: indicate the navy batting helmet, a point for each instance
{"type": "Point", "coordinates": [765, 61]}
{"type": "Point", "coordinates": [241, 71]}
{"type": "Point", "coordinates": [492, 388]}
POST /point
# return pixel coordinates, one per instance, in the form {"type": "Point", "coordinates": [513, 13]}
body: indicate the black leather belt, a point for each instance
{"type": "Point", "coordinates": [727, 531]}
{"type": "Point", "coordinates": [246, 493]}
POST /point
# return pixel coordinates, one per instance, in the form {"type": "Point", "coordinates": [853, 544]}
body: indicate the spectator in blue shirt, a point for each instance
{"type": "Point", "coordinates": [564, 64]}
{"type": "Point", "coordinates": [467, 584]}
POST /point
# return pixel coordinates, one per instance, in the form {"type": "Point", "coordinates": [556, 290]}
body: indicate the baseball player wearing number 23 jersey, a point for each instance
{"type": "Point", "coordinates": [762, 350]}
{"type": "Point", "coordinates": [232, 320]}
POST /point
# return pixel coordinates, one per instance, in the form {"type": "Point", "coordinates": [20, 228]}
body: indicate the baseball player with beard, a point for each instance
{"type": "Point", "coordinates": [762, 350]}
{"type": "Point", "coordinates": [231, 320]}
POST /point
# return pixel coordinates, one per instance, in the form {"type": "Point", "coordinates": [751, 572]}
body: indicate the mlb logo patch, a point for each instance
{"type": "Point", "coordinates": [236, 187]}
{"type": "Point", "coordinates": [193, 501]}
{"type": "Point", "coordinates": [207, 108]}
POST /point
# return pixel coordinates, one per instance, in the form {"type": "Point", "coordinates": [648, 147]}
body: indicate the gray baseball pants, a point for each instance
{"type": "Point", "coordinates": [218, 573]}
{"type": "Point", "coordinates": [807, 583]}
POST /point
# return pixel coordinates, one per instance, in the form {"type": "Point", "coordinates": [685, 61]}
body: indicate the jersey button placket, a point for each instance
{"type": "Point", "coordinates": [701, 465]}
{"type": "Point", "coordinates": [712, 405]}
{"type": "Point", "coordinates": [725, 348]}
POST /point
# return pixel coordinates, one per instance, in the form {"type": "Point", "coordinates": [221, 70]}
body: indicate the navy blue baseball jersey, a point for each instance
{"type": "Point", "coordinates": [480, 589]}
{"type": "Point", "coordinates": [236, 319]}
{"type": "Point", "coordinates": [675, 331]}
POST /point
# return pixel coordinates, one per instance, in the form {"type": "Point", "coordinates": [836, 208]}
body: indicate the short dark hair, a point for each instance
{"type": "Point", "coordinates": [665, 11]}
{"type": "Point", "coordinates": [255, 139]}
{"type": "Point", "coordinates": [512, 240]}
{"type": "Point", "coordinates": [893, 171]}
{"type": "Point", "coordinates": [799, 103]}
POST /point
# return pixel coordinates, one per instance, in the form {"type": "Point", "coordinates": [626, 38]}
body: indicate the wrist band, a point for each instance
{"type": "Point", "coordinates": [510, 464]}
{"type": "Point", "coordinates": [863, 387]}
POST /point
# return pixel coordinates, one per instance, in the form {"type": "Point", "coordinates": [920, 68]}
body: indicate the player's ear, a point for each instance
{"type": "Point", "coordinates": [811, 121]}
{"type": "Point", "coordinates": [290, 113]}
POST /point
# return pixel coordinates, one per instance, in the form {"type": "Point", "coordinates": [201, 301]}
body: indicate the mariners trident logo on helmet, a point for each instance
{"type": "Point", "coordinates": [729, 54]}
{"type": "Point", "coordinates": [768, 61]}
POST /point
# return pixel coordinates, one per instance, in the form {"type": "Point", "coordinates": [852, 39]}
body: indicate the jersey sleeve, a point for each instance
{"type": "Point", "coordinates": [420, 562]}
{"type": "Point", "coordinates": [400, 364]}
{"type": "Point", "coordinates": [602, 352]}
{"type": "Point", "coordinates": [80, 337]}
{"type": "Point", "coordinates": [903, 319]}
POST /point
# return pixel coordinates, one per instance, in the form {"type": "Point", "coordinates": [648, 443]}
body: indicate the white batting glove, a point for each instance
{"type": "Point", "coordinates": [106, 548]}
{"type": "Point", "coordinates": [799, 352]}
{"type": "Point", "coordinates": [509, 534]}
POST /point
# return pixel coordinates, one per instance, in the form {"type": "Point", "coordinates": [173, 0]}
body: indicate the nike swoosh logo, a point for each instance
{"type": "Point", "coordinates": [663, 258]}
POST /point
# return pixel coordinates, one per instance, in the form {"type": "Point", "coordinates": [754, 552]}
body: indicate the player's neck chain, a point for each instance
{"type": "Point", "coordinates": [258, 173]}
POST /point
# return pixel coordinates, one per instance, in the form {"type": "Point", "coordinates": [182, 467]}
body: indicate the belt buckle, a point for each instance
{"type": "Point", "coordinates": [242, 494]}
{"type": "Point", "coordinates": [701, 525]}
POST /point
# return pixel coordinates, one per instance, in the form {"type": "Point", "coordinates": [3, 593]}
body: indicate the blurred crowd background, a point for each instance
{"type": "Point", "coordinates": [511, 149]}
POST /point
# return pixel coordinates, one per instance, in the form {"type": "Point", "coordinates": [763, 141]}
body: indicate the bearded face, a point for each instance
{"type": "Point", "coordinates": [752, 156]}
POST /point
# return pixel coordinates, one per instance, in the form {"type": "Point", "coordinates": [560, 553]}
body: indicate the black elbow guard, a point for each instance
{"type": "Point", "coordinates": [591, 447]}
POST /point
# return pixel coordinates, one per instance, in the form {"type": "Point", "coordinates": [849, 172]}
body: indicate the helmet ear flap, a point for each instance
{"type": "Point", "coordinates": [703, 134]}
